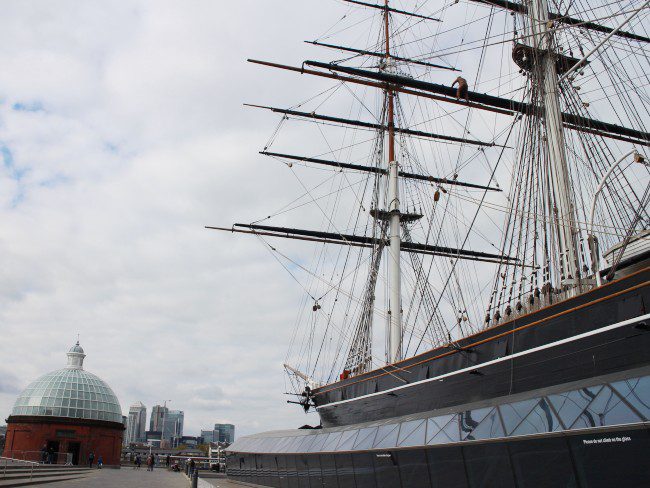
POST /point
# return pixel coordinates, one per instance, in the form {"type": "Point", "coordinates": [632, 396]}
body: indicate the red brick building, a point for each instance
{"type": "Point", "coordinates": [64, 416]}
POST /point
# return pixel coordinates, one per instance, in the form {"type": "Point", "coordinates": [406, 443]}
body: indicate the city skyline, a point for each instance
{"type": "Point", "coordinates": [137, 425]}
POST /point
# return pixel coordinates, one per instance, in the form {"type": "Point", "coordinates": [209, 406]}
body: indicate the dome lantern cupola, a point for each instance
{"type": "Point", "coordinates": [76, 357]}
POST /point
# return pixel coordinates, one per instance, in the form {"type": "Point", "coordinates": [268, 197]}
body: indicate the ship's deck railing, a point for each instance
{"type": "Point", "coordinates": [511, 310]}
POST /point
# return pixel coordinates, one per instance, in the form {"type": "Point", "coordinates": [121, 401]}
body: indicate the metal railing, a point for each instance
{"type": "Point", "coordinates": [30, 464]}
{"type": "Point", "coordinates": [41, 457]}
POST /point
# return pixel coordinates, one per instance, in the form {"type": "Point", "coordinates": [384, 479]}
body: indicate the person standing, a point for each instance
{"type": "Point", "coordinates": [167, 460]}
{"type": "Point", "coordinates": [150, 461]}
{"type": "Point", "coordinates": [91, 458]}
{"type": "Point", "coordinates": [100, 462]}
{"type": "Point", "coordinates": [138, 461]}
{"type": "Point", "coordinates": [462, 90]}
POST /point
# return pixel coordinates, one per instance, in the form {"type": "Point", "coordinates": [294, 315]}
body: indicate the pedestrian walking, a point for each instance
{"type": "Point", "coordinates": [91, 458]}
{"type": "Point", "coordinates": [138, 461]}
{"type": "Point", "coordinates": [167, 460]}
{"type": "Point", "coordinates": [100, 462]}
{"type": "Point", "coordinates": [150, 463]}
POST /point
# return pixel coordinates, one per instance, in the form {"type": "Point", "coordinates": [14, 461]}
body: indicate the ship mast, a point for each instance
{"type": "Point", "coordinates": [394, 273]}
{"type": "Point", "coordinates": [566, 267]}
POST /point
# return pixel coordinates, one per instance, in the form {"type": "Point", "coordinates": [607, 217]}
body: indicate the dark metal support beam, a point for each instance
{"type": "Point", "coordinates": [369, 125]}
{"type": "Point", "coordinates": [381, 55]}
{"type": "Point", "coordinates": [393, 10]}
{"type": "Point", "coordinates": [381, 86]}
{"type": "Point", "coordinates": [381, 171]}
{"type": "Point", "coordinates": [522, 9]}
{"type": "Point", "coordinates": [573, 121]}
{"type": "Point", "coordinates": [371, 241]}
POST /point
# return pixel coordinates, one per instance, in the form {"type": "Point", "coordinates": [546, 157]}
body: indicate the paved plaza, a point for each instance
{"type": "Point", "coordinates": [130, 478]}
{"type": "Point", "coordinates": [127, 478]}
{"type": "Point", "coordinates": [222, 482]}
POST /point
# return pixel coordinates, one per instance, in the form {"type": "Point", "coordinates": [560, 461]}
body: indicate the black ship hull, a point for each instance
{"type": "Point", "coordinates": [590, 335]}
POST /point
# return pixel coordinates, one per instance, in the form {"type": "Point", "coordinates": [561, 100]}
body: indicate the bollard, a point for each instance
{"type": "Point", "coordinates": [195, 478]}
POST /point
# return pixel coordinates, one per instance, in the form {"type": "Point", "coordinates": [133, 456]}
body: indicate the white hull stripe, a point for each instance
{"type": "Point", "coordinates": [495, 361]}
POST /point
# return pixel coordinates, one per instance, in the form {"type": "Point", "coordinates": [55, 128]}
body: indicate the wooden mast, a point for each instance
{"type": "Point", "coordinates": [395, 306]}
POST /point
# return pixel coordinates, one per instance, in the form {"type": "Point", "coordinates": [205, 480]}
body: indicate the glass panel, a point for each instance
{"type": "Point", "coordinates": [570, 405]}
{"type": "Point", "coordinates": [606, 409]}
{"type": "Point", "coordinates": [318, 444]}
{"type": "Point", "coordinates": [386, 436]}
{"type": "Point", "coordinates": [347, 440]}
{"type": "Point", "coordinates": [449, 432]}
{"type": "Point", "coordinates": [366, 438]}
{"type": "Point", "coordinates": [412, 433]}
{"type": "Point", "coordinates": [332, 441]}
{"type": "Point", "coordinates": [514, 413]}
{"type": "Point", "coordinates": [637, 392]}
{"type": "Point", "coordinates": [306, 446]}
{"type": "Point", "coordinates": [489, 428]}
{"type": "Point", "coordinates": [300, 445]}
{"type": "Point", "coordinates": [470, 419]}
{"type": "Point", "coordinates": [540, 419]}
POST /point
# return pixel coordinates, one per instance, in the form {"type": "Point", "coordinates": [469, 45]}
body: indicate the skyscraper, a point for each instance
{"type": "Point", "coordinates": [226, 433]}
{"type": "Point", "coordinates": [168, 422]}
{"type": "Point", "coordinates": [208, 436]}
{"type": "Point", "coordinates": [174, 424]}
{"type": "Point", "coordinates": [136, 423]}
{"type": "Point", "coordinates": [158, 413]}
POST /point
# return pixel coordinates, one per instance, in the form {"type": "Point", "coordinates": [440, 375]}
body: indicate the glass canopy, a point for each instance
{"type": "Point", "coordinates": [70, 392]}
{"type": "Point", "coordinates": [616, 403]}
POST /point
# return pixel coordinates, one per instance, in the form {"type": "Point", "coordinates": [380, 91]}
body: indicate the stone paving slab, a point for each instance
{"type": "Point", "coordinates": [46, 481]}
{"type": "Point", "coordinates": [222, 482]}
{"type": "Point", "coordinates": [127, 478]}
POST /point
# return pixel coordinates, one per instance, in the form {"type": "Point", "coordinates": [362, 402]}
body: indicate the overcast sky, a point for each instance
{"type": "Point", "coordinates": [122, 133]}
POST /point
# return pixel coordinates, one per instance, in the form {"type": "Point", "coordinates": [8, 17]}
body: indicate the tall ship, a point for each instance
{"type": "Point", "coordinates": [469, 232]}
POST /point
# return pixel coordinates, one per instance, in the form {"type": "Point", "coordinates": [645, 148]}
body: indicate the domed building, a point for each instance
{"type": "Point", "coordinates": [70, 412]}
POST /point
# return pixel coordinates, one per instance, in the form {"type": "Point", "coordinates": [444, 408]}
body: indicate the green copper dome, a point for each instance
{"type": "Point", "coordinates": [70, 392]}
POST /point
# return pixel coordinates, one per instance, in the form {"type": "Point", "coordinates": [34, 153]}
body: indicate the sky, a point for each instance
{"type": "Point", "coordinates": [122, 134]}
